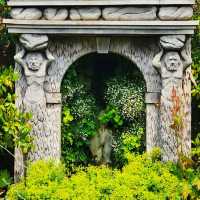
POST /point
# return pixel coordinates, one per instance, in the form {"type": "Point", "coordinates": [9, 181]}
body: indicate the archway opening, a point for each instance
{"type": "Point", "coordinates": [103, 111]}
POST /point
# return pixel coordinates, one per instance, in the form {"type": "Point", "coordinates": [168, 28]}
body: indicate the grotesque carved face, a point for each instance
{"type": "Point", "coordinates": [34, 61]}
{"type": "Point", "coordinates": [172, 61]}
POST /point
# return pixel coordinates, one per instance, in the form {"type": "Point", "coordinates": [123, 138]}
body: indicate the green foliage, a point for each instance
{"type": "Point", "coordinates": [130, 139]}
{"type": "Point", "coordinates": [111, 115]}
{"type": "Point", "coordinates": [196, 151]}
{"type": "Point", "coordinates": [132, 142]}
{"type": "Point", "coordinates": [14, 125]}
{"type": "Point", "coordinates": [5, 179]}
{"type": "Point", "coordinates": [2, 2]}
{"type": "Point", "coordinates": [196, 89]}
{"type": "Point", "coordinates": [126, 95]}
{"type": "Point", "coordinates": [45, 180]}
{"type": "Point", "coordinates": [116, 100]}
{"type": "Point", "coordinates": [5, 38]}
{"type": "Point", "coordinates": [196, 56]}
{"type": "Point", "coordinates": [67, 117]}
{"type": "Point", "coordinates": [79, 121]}
{"type": "Point", "coordinates": [145, 177]}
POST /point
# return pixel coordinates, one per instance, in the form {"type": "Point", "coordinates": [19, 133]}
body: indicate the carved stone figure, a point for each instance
{"type": "Point", "coordinates": [172, 59]}
{"type": "Point", "coordinates": [171, 65]}
{"type": "Point", "coordinates": [173, 62]}
{"type": "Point", "coordinates": [101, 145]}
{"type": "Point", "coordinates": [35, 67]}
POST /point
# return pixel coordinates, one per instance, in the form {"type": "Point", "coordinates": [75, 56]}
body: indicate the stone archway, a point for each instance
{"type": "Point", "coordinates": [64, 54]}
{"type": "Point", "coordinates": [160, 48]}
{"type": "Point", "coordinates": [94, 86]}
{"type": "Point", "coordinates": [130, 48]}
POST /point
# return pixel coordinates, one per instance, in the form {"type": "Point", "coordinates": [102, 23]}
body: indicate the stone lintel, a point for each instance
{"type": "Point", "coordinates": [101, 27]}
{"type": "Point", "coordinates": [97, 2]}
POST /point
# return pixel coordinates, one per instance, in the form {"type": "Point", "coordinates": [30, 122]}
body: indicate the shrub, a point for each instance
{"type": "Point", "coordinates": [144, 178]}
{"type": "Point", "coordinates": [45, 180]}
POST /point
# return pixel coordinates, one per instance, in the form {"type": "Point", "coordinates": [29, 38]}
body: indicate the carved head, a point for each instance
{"type": "Point", "coordinates": [172, 61]}
{"type": "Point", "coordinates": [34, 61]}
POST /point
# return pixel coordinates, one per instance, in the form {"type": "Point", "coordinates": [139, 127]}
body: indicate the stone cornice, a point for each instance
{"type": "Point", "coordinates": [101, 27]}
{"type": "Point", "coordinates": [97, 2]}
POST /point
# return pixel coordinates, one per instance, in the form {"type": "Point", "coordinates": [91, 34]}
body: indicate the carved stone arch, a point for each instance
{"type": "Point", "coordinates": [149, 37]}
{"type": "Point", "coordinates": [67, 51]}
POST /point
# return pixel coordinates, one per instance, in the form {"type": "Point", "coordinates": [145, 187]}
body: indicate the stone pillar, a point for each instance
{"type": "Point", "coordinates": [152, 100]}
{"type": "Point", "coordinates": [172, 62]}
{"type": "Point", "coordinates": [34, 59]}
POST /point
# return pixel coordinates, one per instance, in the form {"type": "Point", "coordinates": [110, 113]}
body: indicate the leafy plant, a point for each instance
{"type": "Point", "coordinates": [79, 120]}
{"type": "Point", "coordinates": [5, 179]}
{"type": "Point", "coordinates": [111, 115]}
{"type": "Point", "coordinates": [145, 177]}
{"type": "Point", "coordinates": [196, 73]}
{"type": "Point", "coordinates": [196, 151]}
{"type": "Point", "coordinates": [45, 180]}
{"type": "Point", "coordinates": [14, 125]}
{"type": "Point", "coordinates": [126, 95]}
{"type": "Point", "coordinates": [67, 117]}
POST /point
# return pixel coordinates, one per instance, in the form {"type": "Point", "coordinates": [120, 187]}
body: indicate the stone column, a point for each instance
{"type": "Point", "coordinates": [152, 100]}
{"type": "Point", "coordinates": [172, 62]}
{"type": "Point", "coordinates": [34, 59]}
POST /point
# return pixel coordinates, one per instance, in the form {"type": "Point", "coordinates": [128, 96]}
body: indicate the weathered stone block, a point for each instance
{"type": "Point", "coordinates": [129, 13]}
{"type": "Point", "coordinates": [55, 14]}
{"type": "Point", "coordinates": [26, 13]}
{"type": "Point", "coordinates": [172, 42]}
{"type": "Point", "coordinates": [33, 42]}
{"type": "Point", "coordinates": [175, 13]}
{"type": "Point", "coordinates": [89, 13]}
